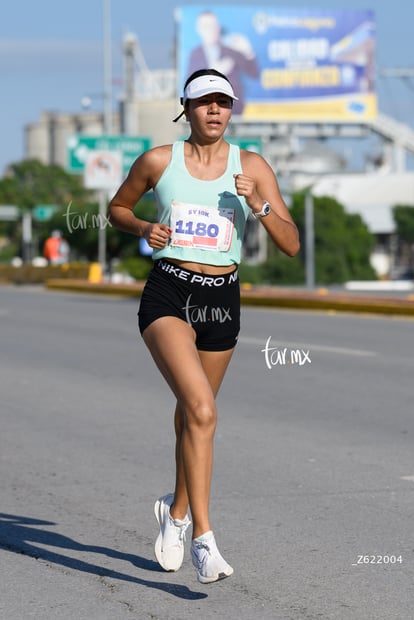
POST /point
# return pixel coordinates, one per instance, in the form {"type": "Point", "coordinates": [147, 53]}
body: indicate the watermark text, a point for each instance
{"type": "Point", "coordinates": [283, 356]}
{"type": "Point", "coordinates": [76, 220]}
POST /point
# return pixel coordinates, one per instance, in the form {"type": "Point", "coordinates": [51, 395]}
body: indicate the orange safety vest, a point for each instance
{"type": "Point", "coordinates": [51, 249]}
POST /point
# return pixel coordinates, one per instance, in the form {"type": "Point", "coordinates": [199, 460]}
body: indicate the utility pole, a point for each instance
{"type": "Point", "coordinates": [107, 65]}
{"type": "Point", "coordinates": [309, 239]}
{"type": "Point", "coordinates": [107, 92]}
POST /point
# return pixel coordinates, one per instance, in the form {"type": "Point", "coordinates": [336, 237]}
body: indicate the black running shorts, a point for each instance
{"type": "Point", "coordinates": [209, 304]}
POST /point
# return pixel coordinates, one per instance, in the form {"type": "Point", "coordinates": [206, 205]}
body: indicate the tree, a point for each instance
{"type": "Point", "coordinates": [404, 221]}
{"type": "Point", "coordinates": [343, 245]}
{"type": "Point", "coordinates": [30, 183]}
{"type": "Point", "coordinates": [81, 228]}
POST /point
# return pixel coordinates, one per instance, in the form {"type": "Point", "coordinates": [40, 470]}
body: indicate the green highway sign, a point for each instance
{"type": "Point", "coordinates": [79, 146]}
{"type": "Point", "coordinates": [249, 144]}
{"type": "Point", "coordinates": [43, 213]}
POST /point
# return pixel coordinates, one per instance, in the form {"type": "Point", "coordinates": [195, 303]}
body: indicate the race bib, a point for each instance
{"type": "Point", "coordinates": [205, 228]}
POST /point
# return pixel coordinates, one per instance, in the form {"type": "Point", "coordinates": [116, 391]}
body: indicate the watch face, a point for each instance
{"type": "Point", "coordinates": [265, 209]}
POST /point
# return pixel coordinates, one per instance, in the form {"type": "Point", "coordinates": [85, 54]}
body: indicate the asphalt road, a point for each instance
{"type": "Point", "coordinates": [313, 494]}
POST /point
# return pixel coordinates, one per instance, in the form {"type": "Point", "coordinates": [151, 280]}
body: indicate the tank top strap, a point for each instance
{"type": "Point", "coordinates": [178, 149]}
{"type": "Point", "coordinates": [234, 162]}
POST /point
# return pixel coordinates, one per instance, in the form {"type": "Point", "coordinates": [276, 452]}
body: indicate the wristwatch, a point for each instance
{"type": "Point", "coordinates": [264, 211]}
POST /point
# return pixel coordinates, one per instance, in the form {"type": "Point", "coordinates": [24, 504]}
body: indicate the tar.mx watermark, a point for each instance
{"type": "Point", "coordinates": [82, 221]}
{"type": "Point", "coordinates": [284, 356]}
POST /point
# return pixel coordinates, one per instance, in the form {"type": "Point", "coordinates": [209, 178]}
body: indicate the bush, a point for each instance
{"type": "Point", "coordinates": [138, 267]}
{"type": "Point", "coordinates": [282, 269]}
{"type": "Point", "coordinates": [8, 251]}
{"type": "Point", "coordinates": [250, 274]}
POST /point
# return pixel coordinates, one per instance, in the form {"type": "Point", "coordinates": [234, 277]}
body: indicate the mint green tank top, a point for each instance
{"type": "Point", "coordinates": [208, 218]}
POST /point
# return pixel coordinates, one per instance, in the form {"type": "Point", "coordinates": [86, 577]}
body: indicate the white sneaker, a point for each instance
{"type": "Point", "coordinates": [169, 546]}
{"type": "Point", "coordinates": [207, 559]}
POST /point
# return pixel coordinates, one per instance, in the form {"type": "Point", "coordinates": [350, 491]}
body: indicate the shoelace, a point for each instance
{"type": "Point", "coordinates": [202, 559]}
{"type": "Point", "coordinates": [182, 529]}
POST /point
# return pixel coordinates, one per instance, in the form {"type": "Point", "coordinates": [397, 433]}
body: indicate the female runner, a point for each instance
{"type": "Point", "coordinates": [189, 315]}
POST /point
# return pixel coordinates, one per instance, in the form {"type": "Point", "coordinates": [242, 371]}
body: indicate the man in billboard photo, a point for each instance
{"type": "Point", "coordinates": [231, 54]}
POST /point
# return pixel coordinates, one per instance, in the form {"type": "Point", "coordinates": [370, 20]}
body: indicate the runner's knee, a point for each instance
{"type": "Point", "coordinates": [201, 415]}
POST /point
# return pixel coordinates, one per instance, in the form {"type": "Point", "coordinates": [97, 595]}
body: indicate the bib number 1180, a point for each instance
{"type": "Point", "coordinates": [200, 230]}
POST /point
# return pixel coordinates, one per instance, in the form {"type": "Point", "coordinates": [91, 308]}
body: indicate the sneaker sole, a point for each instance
{"type": "Point", "coordinates": [218, 577]}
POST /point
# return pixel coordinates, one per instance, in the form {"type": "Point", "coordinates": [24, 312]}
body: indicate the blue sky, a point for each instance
{"type": "Point", "coordinates": [51, 54]}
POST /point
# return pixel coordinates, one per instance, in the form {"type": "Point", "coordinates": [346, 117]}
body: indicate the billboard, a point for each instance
{"type": "Point", "coordinates": [296, 65]}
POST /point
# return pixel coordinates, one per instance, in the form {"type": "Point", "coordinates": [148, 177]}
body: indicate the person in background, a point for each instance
{"type": "Point", "coordinates": [189, 314]}
{"type": "Point", "coordinates": [56, 249]}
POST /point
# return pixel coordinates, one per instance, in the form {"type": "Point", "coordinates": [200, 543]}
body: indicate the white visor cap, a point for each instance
{"type": "Point", "coordinates": [207, 84]}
